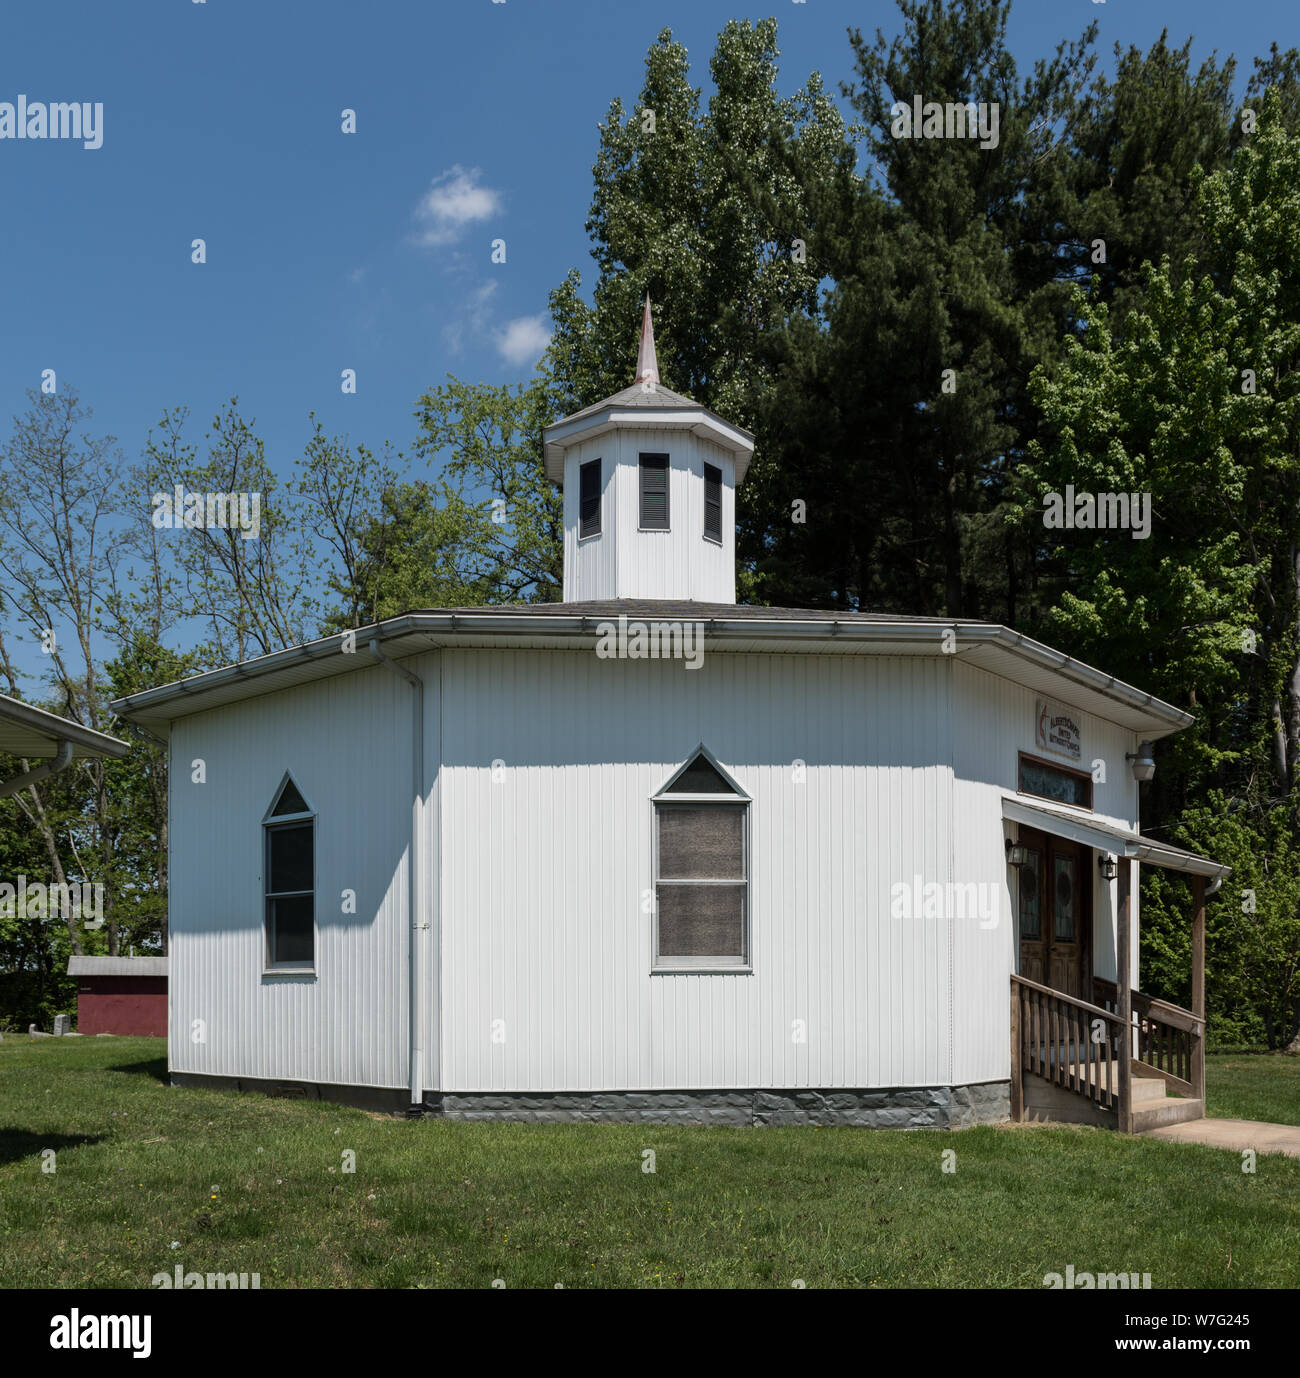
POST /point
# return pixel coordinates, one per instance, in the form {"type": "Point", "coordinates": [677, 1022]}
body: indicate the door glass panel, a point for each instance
{"type": "Point", "coordinates": [1031, 918]}
{"type": "Point", "coordinates": [1063, 897]}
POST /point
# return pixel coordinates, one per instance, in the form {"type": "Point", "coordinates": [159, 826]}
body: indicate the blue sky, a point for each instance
{"type": "Point", "coordinates": [222, 121]}
{"type": "Point", "coordinates": [370, 251]}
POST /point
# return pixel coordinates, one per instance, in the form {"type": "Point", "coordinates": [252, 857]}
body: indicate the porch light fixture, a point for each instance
{"type": "Point", "coordinates": [1106, 865]}
{"type": "Point", "coordinates": [1017, 853]}
{"type": "Point", "coordinates": [1144, 765]}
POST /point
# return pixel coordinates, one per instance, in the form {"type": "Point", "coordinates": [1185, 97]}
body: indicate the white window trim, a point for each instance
{"type": "Point", "coordinates": [703, 965]}
{"type": "Point", "coordinates": [270, 967]}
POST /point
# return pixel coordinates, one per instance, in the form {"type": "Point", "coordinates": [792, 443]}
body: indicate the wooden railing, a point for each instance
{"type": "Point", "coordinates": [1168, 1040]}
{"type": "Point", "coordinates": [1067, 1041]}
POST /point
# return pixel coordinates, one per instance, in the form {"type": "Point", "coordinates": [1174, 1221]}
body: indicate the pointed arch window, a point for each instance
{"type": "Point", "coordinates": [701, 870]}
{"type": "Point", "coordinates": [289, 871]}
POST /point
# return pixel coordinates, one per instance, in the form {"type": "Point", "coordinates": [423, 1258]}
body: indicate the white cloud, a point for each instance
{"type": "Point", "coordinates": [455, 200]}
{"type": "Point", "coordinates": [523, 340]}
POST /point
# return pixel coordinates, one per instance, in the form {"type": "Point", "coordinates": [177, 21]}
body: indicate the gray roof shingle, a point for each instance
{"type": "Point", "coordinates": [658, 397]}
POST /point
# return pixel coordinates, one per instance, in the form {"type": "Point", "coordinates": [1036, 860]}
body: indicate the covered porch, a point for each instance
{"type": "Point", "coordinates": [1085, 1048]}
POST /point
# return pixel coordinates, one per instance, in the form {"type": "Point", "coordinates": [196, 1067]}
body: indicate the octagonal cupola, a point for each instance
{"type": "Point", "coordinates": [649, 480]}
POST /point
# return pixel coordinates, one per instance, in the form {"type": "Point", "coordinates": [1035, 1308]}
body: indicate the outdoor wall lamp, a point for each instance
{"type": "Point", "coordinates": [1106, 865]}
{"type": "Point", "coordinates": [1144, 765]}
{"type": "Point", "coordinates": [1017, 853]}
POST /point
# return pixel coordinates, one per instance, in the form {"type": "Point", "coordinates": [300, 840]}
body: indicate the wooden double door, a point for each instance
{"type": "Point", "coordinates": [1054, 904]}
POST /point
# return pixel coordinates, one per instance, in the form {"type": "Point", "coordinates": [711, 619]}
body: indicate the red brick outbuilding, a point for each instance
{"type": "Point", "coordinates": [121, 995]}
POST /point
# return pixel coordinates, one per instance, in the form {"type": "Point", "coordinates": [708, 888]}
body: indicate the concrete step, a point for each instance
{"type": "Point", "coordinates": [1171, 1110]}
{"type": "Point", "coordinates": [1145, 1089]}
{"type": "Point", "coordinates": [1148, 1089]}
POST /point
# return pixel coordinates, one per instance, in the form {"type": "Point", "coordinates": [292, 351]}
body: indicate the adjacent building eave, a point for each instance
{"type": "Point", "coordinates": [26, 730]}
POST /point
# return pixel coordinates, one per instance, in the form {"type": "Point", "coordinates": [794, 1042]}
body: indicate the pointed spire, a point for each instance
{"type": "Point", "coordinates": [647, 366]}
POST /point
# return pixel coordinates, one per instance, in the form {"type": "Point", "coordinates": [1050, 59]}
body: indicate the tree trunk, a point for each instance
{"type": "Point", "coordinates": [38, 816]}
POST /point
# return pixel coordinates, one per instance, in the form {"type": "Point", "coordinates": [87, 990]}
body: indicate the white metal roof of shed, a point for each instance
{"type": "Point", "coordinates": [117, 966]}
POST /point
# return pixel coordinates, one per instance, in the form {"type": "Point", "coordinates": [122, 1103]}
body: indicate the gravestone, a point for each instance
{"type": "Point", "coordinates": [62, 1022]}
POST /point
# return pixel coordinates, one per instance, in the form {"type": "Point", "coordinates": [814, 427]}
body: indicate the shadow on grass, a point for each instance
{"type": "Point", "coordinates": [16, 1144]}
{"type": "Point", "coordinates": [155, 1067]}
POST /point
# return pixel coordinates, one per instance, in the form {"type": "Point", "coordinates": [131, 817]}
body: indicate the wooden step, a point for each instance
{"type": "Point", "coordinates": [1172, 1110]}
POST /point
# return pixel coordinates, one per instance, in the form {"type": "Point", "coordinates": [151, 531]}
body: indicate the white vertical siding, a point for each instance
{"type": "Point", "coordinates": [591, 565]}
{"type": "Point", "coordinates": [626, 562]}
{"type": "Point", "coordinates": [993, 720]}
{"type": "Point", "coordinates": [346, 742]}
{"type": "Point", "coordinates": [546, 862]}
{"type": "Point", "coordinates": [539, 771]}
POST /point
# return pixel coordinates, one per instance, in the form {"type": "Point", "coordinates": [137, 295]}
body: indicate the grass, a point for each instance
{"type": "Point", "coordinates": [1253, 1086]}
{"type": "Point", "coordinates": [149, 1176]}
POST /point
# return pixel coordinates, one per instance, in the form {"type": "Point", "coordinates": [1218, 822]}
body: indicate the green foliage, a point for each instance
{"type": "Point", "coordinates": [1195, 400]}
{"type": "Point", "coordinates": [703, 211]}
{"type": "Point", "coordinates": [489, 441]}
{"type": "Point", "coordinates": [1252, 937]}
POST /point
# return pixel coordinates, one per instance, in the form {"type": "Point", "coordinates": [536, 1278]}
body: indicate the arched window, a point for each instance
{"type": "Point", "coordinates": [290, 874]}
{"type": "Point", "coordinates": [701, 875]}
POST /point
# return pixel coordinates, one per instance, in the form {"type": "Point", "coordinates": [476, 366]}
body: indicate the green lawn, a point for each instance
{"type": "Point", "coordinates": [1246, 1086]}
{"type": "Point", "coordinates": [243, 1183]}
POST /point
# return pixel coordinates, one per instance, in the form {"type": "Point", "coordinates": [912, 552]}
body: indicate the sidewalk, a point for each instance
{"type": "Point", "coordinates": [1236, 1135]}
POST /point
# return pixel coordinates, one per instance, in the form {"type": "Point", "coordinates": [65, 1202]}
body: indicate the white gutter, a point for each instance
{"type": "Point", "coordinates": [61, 761]}
{"type": "Point", "coordinates": [1086, 675]}
{"type": "Point", "coordinates": [437, 625]}
{"type": "Point", "coordinates": [415, 866]}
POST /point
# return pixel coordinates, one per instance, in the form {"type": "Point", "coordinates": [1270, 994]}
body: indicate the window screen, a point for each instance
{"type": "Point", "coordinates": [654, 492]}
{"type": "Point", "coordinates": [701, 889]}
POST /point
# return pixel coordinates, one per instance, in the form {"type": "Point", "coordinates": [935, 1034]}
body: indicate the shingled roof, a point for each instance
{"type": "Point", "coordinates": [646, 394]}
{"type": "Point", "coordinates": [637, 395]}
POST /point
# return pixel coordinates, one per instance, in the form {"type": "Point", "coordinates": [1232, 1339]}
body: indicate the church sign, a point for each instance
{"type": "Point", "coordinates": [1057, 729]}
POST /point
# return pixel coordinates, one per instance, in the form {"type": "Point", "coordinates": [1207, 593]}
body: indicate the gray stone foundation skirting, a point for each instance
{"type": "Point", "coordinates": [927, 1107]}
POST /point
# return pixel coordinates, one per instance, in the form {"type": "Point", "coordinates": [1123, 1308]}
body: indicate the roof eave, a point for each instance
{"type": "Point", "coordinates": [699, 420]}
{"type": "Point", "coordinates": [1157, 718]}
{"type": "Point", "coordinates": [51, 729]}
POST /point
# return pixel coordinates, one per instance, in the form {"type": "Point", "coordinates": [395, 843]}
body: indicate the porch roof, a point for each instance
{"type": "Point", "coordinates": [1110, 837]}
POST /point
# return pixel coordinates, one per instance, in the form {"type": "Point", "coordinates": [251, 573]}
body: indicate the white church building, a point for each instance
{"type": "Point", "coordinates": [650, 854]}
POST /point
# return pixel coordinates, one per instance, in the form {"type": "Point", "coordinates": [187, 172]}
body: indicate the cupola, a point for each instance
{"type": "Point", "coordinates": [649, 480]}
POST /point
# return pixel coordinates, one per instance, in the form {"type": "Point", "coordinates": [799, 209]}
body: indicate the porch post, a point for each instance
{"type": "Point", "coordinates": [1198, 985]}
{"type": "Point", "coordinates": [1017, 1058]}
{"type": "Point", "coordinates": [1124, 996]}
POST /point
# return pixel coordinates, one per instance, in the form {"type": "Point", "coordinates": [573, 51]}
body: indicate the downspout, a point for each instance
{"type": "Point", "coordinates": [60, 762]}
{"type": "Point", "coordinates": [419, 927]}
